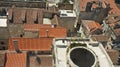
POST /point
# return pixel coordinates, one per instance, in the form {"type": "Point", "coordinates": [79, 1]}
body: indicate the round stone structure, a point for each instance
{"type": "Point", "coordinates": [81, 57]}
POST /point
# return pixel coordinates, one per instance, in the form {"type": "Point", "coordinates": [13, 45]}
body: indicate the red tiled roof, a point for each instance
{"type": "Point", "coordinates": [112, 19]}
{"type": "Point", "coordinates": [117, 32]}
{"type": "Point", "coordinates": [23, 15]}
{"type": "Point", "coordinates": [2, 60]}
{"type": "Point", "coordinates": [100, 38]}
{"type": "Point", "coordinates": [83, 4]}
{"type": "Point", "coordinates": [114, 7]}
{"type": "Point", "coordinates": [16, 60]}
{"type": "Point", "coordinates": [94, 5]}
{"type": "Point", "coordinates": [112, 3]}
{"type": "Point", "coordinates": [35, 26]}
{"type": "Point", "coordinates": [114, 55]}
{"type": "Point", "coordinates": [17, 12]}
{"type": "Point", "coordinates": [30, 15]}
{"type": "Point", "coordinates": [31, 43]}
{"type": "Point", "coordinates": [52, 32]}
{"type": "Point", "coordinates": [46, 61]}
{"type": "Point", "coordinates": [93, 25]}
{"type": "Point", "coordinates": [43, 28]}
{"type": "Point", "coordinates": [40, 16]}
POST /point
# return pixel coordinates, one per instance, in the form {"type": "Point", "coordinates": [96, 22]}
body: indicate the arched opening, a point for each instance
{"type": "Point", "coordinates": [82, 57]}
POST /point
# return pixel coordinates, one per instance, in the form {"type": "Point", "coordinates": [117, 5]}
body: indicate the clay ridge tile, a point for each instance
{"type": "Point", "coordinates": [34, 44]}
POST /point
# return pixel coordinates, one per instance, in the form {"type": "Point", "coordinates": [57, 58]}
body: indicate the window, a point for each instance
{"type": "Point", "coordinates": [69, 11]}
{"type": "Point", "coordinates": [3, 12]}
{"type": "Point", "coordinates": [2, 43]}
{"type": "Point", "coordinates": [24, 21]}
{"type": "Point", "coordinates": [21, 35]}
{"type": "Point", "coordinates": [36, 21]}
{"type": "Point", "coordinates": [3, 48]}
{"type": "Point", "coordinates": [64, 14]}
{"type": "Point", "coordinates": [61, 46]}
{"type": "Point", "coordinates": [10, 20]}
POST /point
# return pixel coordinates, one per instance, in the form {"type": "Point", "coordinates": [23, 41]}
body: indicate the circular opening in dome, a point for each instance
{"type": "Point", "coordinates": [82, 57]}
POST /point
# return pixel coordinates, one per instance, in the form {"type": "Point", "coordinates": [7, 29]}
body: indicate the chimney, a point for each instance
{"type": "Point", "coordinates": [53, 25]}
{"type": "Point", "coordinates": [47, 33]}
{"type": "Point", "coordinates": [63, 41]}
{"type": "Point", "coordinates": [38, 60]}
{"type": "Point", "coordinates": [15, 43]}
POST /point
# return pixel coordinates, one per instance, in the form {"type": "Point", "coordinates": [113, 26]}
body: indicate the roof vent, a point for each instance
{"type": "Point", "coordinates": [53, 25]}
{"type": "Point", "coordinates": [47, 33]}
{"type": "Point", "coordinates": [15, 43]}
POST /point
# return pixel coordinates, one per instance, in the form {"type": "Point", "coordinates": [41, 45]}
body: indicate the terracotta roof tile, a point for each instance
{"type": "Point", "coordinates": [31, 43]}
{"type": "Point", "coordinates": [4, 33]}
{"type": "Point", "coordinates": [2, 60]}
{"type": "Point", "coordinates": [17, 15]}
{"type": "Point", "coordinates": [23, 14]}
{"type": "Point", "coordinates": [94, 5]}
{"type": "Point", "coordinates": [52, 32]}
{"type": "Point", "coordinates": [115, 9]}
{"type": "Point", "coordinates": [16, 60]}
{"type": "Point", "coordinates": [30, 15]}
{"type": "Point", "coordinates": [104, 4]}
{"type": "Point", "coordinates": [35, 26]}
{"type": "Point", "coordinates": [93, 25]}
{"type": "Point", "coordinates": [43, 28]}
{"type": "Point", "coordinates": [46, 61]}
{"type": "Point", "coordinates": [117, 32]}
{"type": "Point", "coordinates": [113, 18]}
{"type": "Point", "coordinates": [35, 15]}
{"type": "Point", "coordinates": [100, 38]}
{"type": "Point", "coordinates": [114, 54]}
{"type": "Point", "coordinates": [83, 4]}
{"type": "Point", "coordinates": [40, 16]}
